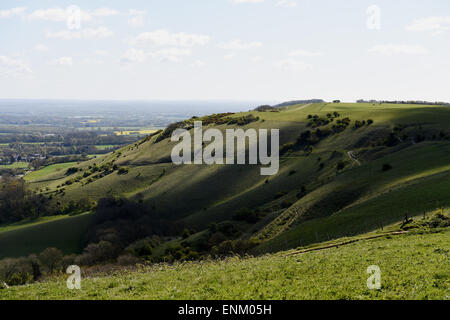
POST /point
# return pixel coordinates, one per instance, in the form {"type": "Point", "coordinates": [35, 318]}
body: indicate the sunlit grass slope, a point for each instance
{"type": "Point", "coordinates": [413, 266]}
{"type": "Point", "coordinates": [333, 203]}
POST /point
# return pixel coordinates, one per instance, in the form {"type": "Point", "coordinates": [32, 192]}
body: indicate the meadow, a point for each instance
{"type": "Point", "coordinates": [39, 174]}
{"type": "Point", "coordinates": [414, 265]}
{"type": "Point", "coordinates": [63, 232]}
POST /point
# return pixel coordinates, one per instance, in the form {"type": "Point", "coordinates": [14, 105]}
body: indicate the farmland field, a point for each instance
{"type": "Point", "coordinates": [15, 165]}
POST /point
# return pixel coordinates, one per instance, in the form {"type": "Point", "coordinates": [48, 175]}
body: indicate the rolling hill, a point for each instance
{"type": "Point", "coordinates": [345, 169]}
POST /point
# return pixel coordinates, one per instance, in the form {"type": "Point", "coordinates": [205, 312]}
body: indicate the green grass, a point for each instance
{"type": "Point", "coordinates": [42, 173]}
{"type": "Point", "coordinates": [105, 146]}
{"type": "Point", "coordinates": [62, 232]}
{"type": "Point", "coordinates": [413, 266]}
{"type": "Point", "coordinates": [15, 165]}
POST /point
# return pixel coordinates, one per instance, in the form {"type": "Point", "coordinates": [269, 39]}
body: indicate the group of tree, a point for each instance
{"type": "Point", "coordinates": [18, 202]}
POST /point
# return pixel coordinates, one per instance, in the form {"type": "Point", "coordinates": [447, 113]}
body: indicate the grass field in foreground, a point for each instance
{"type": "Point", "coordinates": [62, 232]}
{"type": "Point", "coordinates": [413, 266]}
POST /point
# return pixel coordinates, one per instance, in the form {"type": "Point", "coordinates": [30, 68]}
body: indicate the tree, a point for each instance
{"type": "Point", "coordinates": [50, 258]}
{"type": "Point", "coordinates": [35, 266]}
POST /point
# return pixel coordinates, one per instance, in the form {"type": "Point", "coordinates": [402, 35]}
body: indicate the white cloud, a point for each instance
{"type": "Point", "coordinates": [40, 48]}
{"type": "Point", "coordinates": [247, 1]}
{"type": "Point", "coordinates": [163, 55]}
{"type": "Point", "coordinates": [57, 14]}
{"type": "Point", "coordinates": [63, 61]}
{"type": "Point", "coordinates": [132, 56]}
{"type": "Point", "coordinates": [100, 32]}
{"type": "Point", "coordinates": [136, 12]}
{"type": "Point", "coordinates": [435, 25]}
{"type": "Point", "coordinates": [93, 61]}
{"type": "Point", "coordinates": [166, 38]}
{"type": "Point", "coordinates": [101, 52]}
{"type": "Point", "coordinates": [239, 45]}
{"type": "Point", "coordinates": [286, 3]}
{"type": "Point", "coordinates": [229, 56]}
{"type": "Point", "coordinates": [293, 64]}
{"type": "Point", "coordinates": [304, 53]}
{"type": "Point", "coordinates": [257, 59]}
{"type": "Point", "coordinates": [13, 67]}
{"type": "Point", "coordinates": [198, 64]}
{"type": "Point", "coordinates": [393, 49]}
{"type": "Point", "coordinates": [137, 21]}
{"type": "Point", "coordinates": [137, 18]}
{"type": "Point", "coordinates": [105, 12]}
{"type": "Point", "coordinates": [170, 55]}
{"type": "Point", "coordinates": [18, 11]}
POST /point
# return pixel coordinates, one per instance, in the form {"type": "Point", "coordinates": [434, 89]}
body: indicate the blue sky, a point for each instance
{"type": "Point", "coordinates": [272, 50]}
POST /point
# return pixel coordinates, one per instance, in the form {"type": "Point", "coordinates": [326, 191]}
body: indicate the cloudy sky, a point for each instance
{"type": "Point", "coordinates": [225, 49]}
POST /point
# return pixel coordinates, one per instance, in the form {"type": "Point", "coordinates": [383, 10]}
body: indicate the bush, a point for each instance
{"type": "Point", "coordinates": [340, 165]}
{"type": "Point", "coordinates": [67, 261]}
{"type": "Point", "coordinates": [280, 194]}
{"type": "Point", "coordinates": [15, 271]}
{"type": "Point", "coordinates": [142, 248]}
{"type": "Point", "coordinates": [96, 253]}
{"type": "Point", "coordinates": [229, 247]}
{"type": "Point", "coordinates": [127, 260]}
{"type": "Point", "coordinates": [50, 258]}
{"type": "Point", "coordinates": [186, 234]}
{"type": "Point", "coordinates": [71, 171]}
{"type": "Point", "coordinates": [247, 215]}
{"type": "Point", "coordinates": [123, 171]}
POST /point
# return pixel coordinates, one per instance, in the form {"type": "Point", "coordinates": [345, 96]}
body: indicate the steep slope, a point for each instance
{"type": "Point", "coordinates": [361, 166]}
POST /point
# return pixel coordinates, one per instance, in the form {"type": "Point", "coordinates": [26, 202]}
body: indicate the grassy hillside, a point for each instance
{"type": "Point", "coordinates": [363, 166]}
{"type": "Point", "coordinates": [413, 265]}
{"type": "Point", "coordinates": [63, 232]}
{"type": "Point", "coordinates": [39, 174]}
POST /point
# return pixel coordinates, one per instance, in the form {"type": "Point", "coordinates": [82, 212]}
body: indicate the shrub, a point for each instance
{"type": "Point", "coordinates": [97, 253]}
{"type": "Point", "coordinates": [50, 258]}
{"type": "Point", "coordinates": [186, 233]}
{"type": "Point", "coordinates": [67, 261]}
{"type": "Point", "coordinates": [247, 215]}
{"type": "Point", "coordinates": [123, 171]}
{"type": "Point", "coordinates": [127, 260]}
{"type": "Point", "coordinates": [280, 194]}
{"type": "Point", "coordinates": [340, 165]}
{"type": "Point", "coordinates": [71, 171]}
{"type": "Point", "coordinates": [15, 271]}
{"type": "Point", "coordinates": [234, 247]}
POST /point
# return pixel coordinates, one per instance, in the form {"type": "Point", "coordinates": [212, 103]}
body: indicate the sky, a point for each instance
{"type": "Point", "coordinates": [265, 50]}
